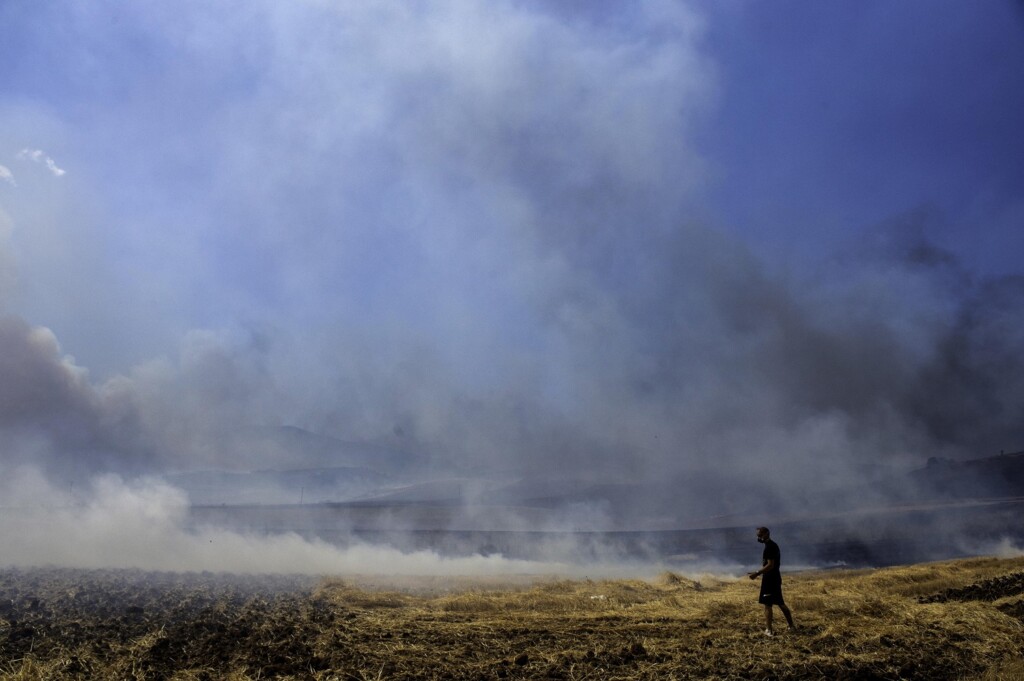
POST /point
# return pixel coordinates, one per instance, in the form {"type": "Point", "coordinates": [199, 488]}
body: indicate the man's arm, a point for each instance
{"type": "Point", "coordinates": [768, 567]}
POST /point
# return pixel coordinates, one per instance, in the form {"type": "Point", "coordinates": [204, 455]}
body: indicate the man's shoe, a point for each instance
{"type": "Point", "coordinates": [768, 633]}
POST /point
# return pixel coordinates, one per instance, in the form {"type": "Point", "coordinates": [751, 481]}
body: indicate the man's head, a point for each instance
{"type": "Point", "coordinates": [763, 534]}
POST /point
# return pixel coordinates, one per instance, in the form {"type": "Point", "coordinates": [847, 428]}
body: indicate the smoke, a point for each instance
{"type": "Point", "coordinates": [1005, 549]}
{"type": "Point", "coordinates": [477, 236]}
{"type": "Point", "coordinates": [113, 523]}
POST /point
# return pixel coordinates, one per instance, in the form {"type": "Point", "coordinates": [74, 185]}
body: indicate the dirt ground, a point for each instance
{"type": "Point", "coordinates": [953, 620]}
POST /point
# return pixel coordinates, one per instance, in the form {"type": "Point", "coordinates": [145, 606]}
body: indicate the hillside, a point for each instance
{"type": "Point", "coordinates": [364, 476]}
{"type": "Point", "coordinates": [946, 509]}
{"type": "Point", "coordinates": [950, 620]}
{"type": "Point", "coordinates": [993, 476]}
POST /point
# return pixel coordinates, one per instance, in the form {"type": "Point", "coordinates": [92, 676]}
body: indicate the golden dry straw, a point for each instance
{"type": "Point", "coordinates": [862, 624]}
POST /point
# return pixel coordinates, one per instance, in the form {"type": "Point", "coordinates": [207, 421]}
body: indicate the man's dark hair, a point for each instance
{"type": "Point", "coordinates": [766, 531]}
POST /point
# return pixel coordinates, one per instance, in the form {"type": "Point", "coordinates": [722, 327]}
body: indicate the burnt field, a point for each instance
{"type": "Point", "coordinates": [949, 620]}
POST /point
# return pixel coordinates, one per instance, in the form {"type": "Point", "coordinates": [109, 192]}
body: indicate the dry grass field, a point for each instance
{"type": "Point", "coordinates": [951, 620]}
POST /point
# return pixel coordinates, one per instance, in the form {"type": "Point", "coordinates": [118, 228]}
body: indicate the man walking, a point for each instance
{"type": "Point", "coordinates": [771, 581]}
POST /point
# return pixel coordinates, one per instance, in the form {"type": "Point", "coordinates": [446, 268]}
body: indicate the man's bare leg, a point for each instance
{"type": "Point", "coordinates": [787, 614]}
{"type": "Point", "coordinates": [768, 617]}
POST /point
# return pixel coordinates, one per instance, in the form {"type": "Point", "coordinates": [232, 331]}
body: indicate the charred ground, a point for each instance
{"type": "Point", "coordinates": [73, 624]}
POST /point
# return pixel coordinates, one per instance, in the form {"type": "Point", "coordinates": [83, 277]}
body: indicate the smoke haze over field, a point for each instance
{"type": "Point", "coordinates": [142, 525]}
{"type": "Point", "coordinates": [661, 242]}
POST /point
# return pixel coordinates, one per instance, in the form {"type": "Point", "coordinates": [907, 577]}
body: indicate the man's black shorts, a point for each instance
{"type": "Point", "coordinates": [771, 593]}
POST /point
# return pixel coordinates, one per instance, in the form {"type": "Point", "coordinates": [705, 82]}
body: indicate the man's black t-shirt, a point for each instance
{"type": "Point", "coordinates": [771, 552]}
{"type": "Point", "coordinates": [771, 581]}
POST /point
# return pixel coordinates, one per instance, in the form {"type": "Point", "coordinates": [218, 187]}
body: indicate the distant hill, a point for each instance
{"type": "Point", "coordinates": [310, 485]}
{"type": "Point", "coordinates": [994, 476]}
{"type": "Point", "coordinates": [293, 448]}
{"type": "Point", "coordinates": [379, 484]}
{"type": "Point", "coordinates": [287, 464]}
{"type": "Point", "coordinates": [290, 443]}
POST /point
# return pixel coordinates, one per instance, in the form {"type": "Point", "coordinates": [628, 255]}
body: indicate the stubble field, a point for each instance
{"type": "Point", "coordinates": [950, 620]}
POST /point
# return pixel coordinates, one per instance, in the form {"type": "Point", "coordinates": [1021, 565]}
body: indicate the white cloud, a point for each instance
{"type": "Point", "coordinates": [6, 174]}
{"type": "Point", "coordinates": [53, 167]}
{"type": "Point", "coordinates": [38, 156]}
{"type": "Point", "coordinates": [30, 155]}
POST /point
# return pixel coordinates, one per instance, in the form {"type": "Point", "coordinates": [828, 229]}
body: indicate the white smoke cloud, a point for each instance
{"type": "Point", "coordinates": [1006, 547]}
{"type": "Point", "coordinates": [110, 522]}
{"type": "Point", "coordinates": [471, 237]}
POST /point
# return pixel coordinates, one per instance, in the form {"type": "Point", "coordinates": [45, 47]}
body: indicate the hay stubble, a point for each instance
{"type": "Point", "coordinates": [64, 624]}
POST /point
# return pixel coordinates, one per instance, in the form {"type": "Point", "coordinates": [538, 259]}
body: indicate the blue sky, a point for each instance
{"type": "Point", "coordinates": [837, 116]}
{"type": "Point", "coordinates": [520, 232]}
